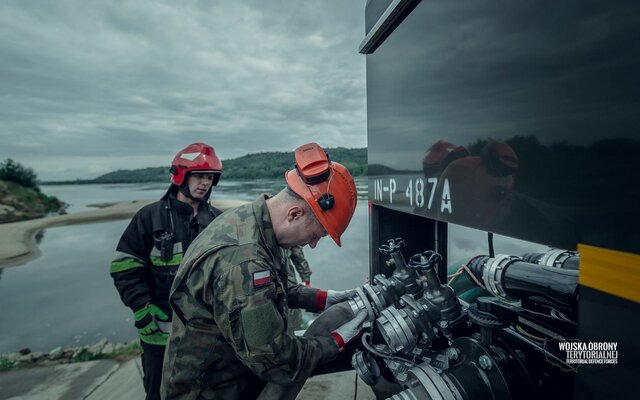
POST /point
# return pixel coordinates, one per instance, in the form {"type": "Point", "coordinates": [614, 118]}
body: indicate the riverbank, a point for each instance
{"type": "Point", "coordinates": [16, 239]}
{"type": "Point", "coordinates": [25, 358]}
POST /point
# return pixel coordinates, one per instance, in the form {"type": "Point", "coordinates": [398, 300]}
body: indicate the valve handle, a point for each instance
{"type": "Point", "coordinates": [425, 260]}
{"type": "Point", "coordinates": [391, 246]}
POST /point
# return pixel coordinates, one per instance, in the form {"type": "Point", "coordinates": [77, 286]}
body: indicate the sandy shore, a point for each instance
{"type": "Point", "coordinates": [16, 239]}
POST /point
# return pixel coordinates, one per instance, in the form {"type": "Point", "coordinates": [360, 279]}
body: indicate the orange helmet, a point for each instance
{"type": "Point", "coordinates": [198, 157]}
{"type": "Point", "coordinates": [326, 186]}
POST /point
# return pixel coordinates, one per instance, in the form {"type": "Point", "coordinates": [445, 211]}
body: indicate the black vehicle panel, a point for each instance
{"type": "Point", "coordinates": [520, 118]}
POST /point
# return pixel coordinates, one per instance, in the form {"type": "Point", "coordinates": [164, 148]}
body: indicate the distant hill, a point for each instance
{"type": "Point", "coordinates": [152, 174]}
{"type": "Point", "coordinates": [251, 166]}
{"type": "Point", "coordinates": [273, 164]}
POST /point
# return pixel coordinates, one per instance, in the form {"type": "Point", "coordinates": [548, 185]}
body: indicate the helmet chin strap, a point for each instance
{"type": "Point", "coordinates": [184, 189]}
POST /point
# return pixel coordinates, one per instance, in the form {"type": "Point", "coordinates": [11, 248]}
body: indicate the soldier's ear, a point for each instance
{"type": "Point", "coordinates": [295, 212]}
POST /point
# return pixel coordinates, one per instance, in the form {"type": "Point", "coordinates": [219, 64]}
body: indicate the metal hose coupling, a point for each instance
{"type": "Point", "coordinates": [557, 258]}
{"type": "Point", "coordinates": [550, 279]}
{"type": "Point", "coordinates": [414, 320]}
{"type": "Point", "coordinates": [386, 291]}
{"type": "Point", "coordinates": [402, 328]}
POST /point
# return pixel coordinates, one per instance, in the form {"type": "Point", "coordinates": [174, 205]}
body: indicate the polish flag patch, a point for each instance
{"type": "Point", "coordinates": [261, 278]}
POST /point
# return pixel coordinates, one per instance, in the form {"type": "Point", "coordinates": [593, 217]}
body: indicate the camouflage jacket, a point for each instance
{"type": "Point", "coordinates": [230, 299]}
{"type": "Point", "coordinates": [296, 255]}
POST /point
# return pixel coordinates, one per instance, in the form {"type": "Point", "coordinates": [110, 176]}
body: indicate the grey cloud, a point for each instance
{"type": "Point", "coordinates": [88, 82]}
{"type": "Point", "coordinates": [525, 69]}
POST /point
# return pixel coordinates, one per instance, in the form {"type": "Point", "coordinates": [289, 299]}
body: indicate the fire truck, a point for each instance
{"type": "Point", "coordinates": [503, 140]}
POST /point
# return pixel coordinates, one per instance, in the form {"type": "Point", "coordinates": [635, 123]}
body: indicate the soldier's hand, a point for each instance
{"type": "Point", "coordinates": [349, 331]}
{"type": "Point", "coordinates": [335, 296]}
{"type": "Point", "coordinates": [147, 324]}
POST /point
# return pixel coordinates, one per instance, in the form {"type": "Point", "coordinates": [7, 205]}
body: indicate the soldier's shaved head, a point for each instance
{"type": "Point", "coordinates": [287, 198]}
{"type": "Point", "coordinates": [292, 219]}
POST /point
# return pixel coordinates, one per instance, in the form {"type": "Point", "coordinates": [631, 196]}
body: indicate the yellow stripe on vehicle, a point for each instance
{"type": "Point", "coordinates": [610, 271]}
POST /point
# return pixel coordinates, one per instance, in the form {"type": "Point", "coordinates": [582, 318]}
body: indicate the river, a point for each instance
{"type": "Point", "coordinates": [66, 296]}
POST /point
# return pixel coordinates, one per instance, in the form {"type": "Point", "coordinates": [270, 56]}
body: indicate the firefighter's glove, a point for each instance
{"type": "Point", "coordinates": [147, 323]}
{"type": "Point", "coordinates": [349, 331]}
{"type": "Point", "coordinates": [335, 296]}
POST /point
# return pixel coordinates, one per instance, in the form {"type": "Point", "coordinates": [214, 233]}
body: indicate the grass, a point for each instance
{"type": "Point", "coordinates": [127, 352]}
{"type": "Point", "coordinates": [25, 203]}
{"type": "Point", "coordinates": [9, 365]}
{"type": "Point", "coordinates": [131, 350]}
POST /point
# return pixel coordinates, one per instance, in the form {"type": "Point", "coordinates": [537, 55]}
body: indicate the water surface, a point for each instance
{"type": "Point", "coordinates": [66, 296]}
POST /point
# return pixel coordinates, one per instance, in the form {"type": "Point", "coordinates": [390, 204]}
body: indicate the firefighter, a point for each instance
{"type": "Point", "coordinates": [231, 298]}
{"type": "Point", "coordinates": [152, 246]}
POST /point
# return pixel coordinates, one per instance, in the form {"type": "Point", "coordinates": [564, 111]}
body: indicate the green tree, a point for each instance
{"type": "Point", "coordinates": [15, 172]}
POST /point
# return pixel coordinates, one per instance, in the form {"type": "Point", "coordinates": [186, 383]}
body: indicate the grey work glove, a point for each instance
{"type": "Point", "coordinates": [350, 330]}
{"type": "Point", "coordinates": [338, 296]}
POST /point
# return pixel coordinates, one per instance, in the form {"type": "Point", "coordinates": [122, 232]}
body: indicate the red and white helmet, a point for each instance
{"type": "Point", "coordinates": [197, 157]}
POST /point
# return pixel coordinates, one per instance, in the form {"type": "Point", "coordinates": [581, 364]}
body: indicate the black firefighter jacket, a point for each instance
{"type": "Point", "coordinates": [151, 249]}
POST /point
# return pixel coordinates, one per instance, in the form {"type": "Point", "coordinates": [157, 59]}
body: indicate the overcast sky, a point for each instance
{"type": "Point", "coordinates": [88, 87]}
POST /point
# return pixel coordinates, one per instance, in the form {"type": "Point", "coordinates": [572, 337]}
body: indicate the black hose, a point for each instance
{"type": "Point", "coordinates": [327, 322]}
{"type": "Point", "coordinates": [373, 350]}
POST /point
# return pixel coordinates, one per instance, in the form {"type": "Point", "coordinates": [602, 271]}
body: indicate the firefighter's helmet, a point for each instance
{"type": "Point", "coordinates": [197, 157]}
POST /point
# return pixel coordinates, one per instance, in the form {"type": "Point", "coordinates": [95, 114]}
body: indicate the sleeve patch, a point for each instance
{"type": "Point", "coordinates": [262, 324]}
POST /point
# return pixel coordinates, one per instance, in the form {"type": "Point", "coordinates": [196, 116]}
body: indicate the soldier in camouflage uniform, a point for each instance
{"type": "Point", "coordinates": [231, 294]}
{"type": "Point", "coordinates": [297, 262]}
{"type": "Point", "coordinates": [300, 263]}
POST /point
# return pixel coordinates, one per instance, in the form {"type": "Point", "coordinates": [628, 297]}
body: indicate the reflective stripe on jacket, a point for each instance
{"type": "Point", "coordinates": [138, 269]}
